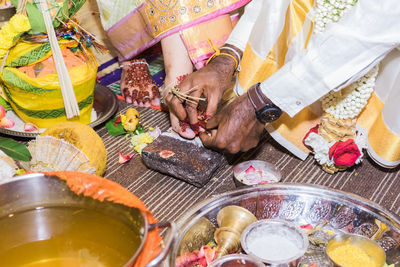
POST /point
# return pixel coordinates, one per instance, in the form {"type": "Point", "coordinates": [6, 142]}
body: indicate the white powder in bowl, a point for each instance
{"type": "Point", "coordinates": [274, 241]}
{"type": "Point", "coordinates": [273, 247]}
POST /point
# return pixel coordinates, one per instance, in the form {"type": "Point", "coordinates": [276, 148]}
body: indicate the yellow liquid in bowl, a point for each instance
{"type": "Point", "coordinates": [68, 236]}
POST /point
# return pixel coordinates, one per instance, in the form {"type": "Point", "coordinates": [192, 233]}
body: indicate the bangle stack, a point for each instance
{"type": "Point", "coordinates": [235, 52]}
{"type": "Point", "coordinates": [219, 53]}
{"type": "Point", "coordinates": [133, 63]}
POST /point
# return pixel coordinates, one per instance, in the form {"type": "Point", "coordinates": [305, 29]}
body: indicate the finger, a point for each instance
{"type": "Point", "coordinates": [212, 105]}
{"type": "Point", "coordinates": [213, 122]}
{"type": "Point", "coordinates": [175, 106]}
{"type": "Point", "coordinates": [174, 122]}
{"type": "Point", "coordinates": [233, 148]}
{"type": "Point", "coordinates": [191, 107]}
{"type": "Point", "coordinates": [187, 133]}
{"type": "Point", "coordinates": [208, 138]}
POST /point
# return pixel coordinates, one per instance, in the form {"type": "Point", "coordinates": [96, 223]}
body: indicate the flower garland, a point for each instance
{"type": "Point", "coordinates": [335, 143]}
{"type": "Point", "coordinates": [10, 32]}
{"type": "Point", "coordinates": [349, 102]}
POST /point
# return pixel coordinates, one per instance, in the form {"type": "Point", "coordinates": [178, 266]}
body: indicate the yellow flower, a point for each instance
{"type": "Point", "coordinates": [3, 53]}
{"type": "Point", "coordinates": [123, 118]}
{"type": "Point", "coordinates": [140, 141]}
{"type": "Point", "coordinates": [7, 31]}
{"type": "Point", "coordinates": [20, 23]}
{"type": "Point", "coordinates": [5, 43]}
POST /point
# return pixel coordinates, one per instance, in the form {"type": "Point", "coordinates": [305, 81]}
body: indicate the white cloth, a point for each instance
{"type": "Point", "coordinates": [341, 55]}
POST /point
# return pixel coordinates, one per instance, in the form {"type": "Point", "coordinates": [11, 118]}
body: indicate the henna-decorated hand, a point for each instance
{"type": "Point", "coordinates": [137, 86]}
{"type": "Point", "coordinates": [235, 128]}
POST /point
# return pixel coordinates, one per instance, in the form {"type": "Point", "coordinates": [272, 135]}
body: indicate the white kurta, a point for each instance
{"type": "Point", "coordinates": [340, 55]}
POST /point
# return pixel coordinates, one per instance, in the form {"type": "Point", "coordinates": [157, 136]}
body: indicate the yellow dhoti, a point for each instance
{"type": "Point", "coordinates": [289, 28]}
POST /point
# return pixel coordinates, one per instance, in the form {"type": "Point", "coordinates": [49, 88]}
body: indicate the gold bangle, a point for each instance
{"type": "Point", "coordinates": [219, 53]}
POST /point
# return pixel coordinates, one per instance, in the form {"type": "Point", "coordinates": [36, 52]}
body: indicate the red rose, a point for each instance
{"type": "Point", "coordinates": [344, 153]}
{"type": "Point", "coordinates": [312, 130]}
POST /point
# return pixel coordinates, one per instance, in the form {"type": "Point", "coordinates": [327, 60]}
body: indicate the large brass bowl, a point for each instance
{"type": "Point", "coordinates": [44, 223]}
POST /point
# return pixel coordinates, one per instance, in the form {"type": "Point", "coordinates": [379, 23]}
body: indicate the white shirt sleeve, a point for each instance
{"type": "Point", "coordinates": [341, 55]}
{"type": "Point", "coordinates": [241, 32]}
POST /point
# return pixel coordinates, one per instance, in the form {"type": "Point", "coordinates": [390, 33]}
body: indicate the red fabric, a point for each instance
{"type": "Point", "coordinates": [312, 130]}
{"type": "Point", "coordinates": [344, 153]}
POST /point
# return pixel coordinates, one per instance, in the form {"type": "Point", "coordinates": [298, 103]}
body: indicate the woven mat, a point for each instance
{"type": "Point", "coordinates": [169, 198]}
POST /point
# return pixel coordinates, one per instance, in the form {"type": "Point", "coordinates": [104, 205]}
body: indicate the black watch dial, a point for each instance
{"type": "Point", "coordinates": [269, 113]}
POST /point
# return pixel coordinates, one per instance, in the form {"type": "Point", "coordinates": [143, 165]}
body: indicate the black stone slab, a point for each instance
{"type": "Point", "coordinates": [181, 159]}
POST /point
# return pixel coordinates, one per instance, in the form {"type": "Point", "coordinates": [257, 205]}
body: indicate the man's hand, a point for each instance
{"type": "Point", "coordinates": [235, 128]}
{"type": "Point", "coordinates": [210, 82]}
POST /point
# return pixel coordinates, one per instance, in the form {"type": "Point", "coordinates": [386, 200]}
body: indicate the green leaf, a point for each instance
{"type": "Point", "coordinates": [62, 14]}
{"type": "Point", "coordinates": [14, 149]}
{"type": "Point", "coordinates": [139, 130]}
{"type": "Point", "coordinates": [76, 5]}
{"type": "Point", "coordinates": [35, 18]}
{"type": "Point", "coordinates": [4, 103]}
{"type": "Point", "coordinates": [115, 130]}
{"type": "Point", "coordinates": [14, 2]}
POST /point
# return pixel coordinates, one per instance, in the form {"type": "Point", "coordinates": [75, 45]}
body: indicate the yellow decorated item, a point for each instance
{"type": "Point", "coordinates": [130, 120]}
{"type": "Point", "coordinates": [30, 82]}
{"type": "Point", "coordinates": [10, 32]}
{"type": "Point", "coordinates": [85, 139]}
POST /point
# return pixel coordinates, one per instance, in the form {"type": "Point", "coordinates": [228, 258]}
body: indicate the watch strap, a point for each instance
{"type": "Point", "coordinates": [256, 98]}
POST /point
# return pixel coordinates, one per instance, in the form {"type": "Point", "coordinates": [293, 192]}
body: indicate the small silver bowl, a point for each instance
{"type": "Point", "coordinates": [271, 173]}
{"type": "Point", "coordinates": [236, 260]}
{"type": "Point", "coordinates": [276, 242]}
{"type": "Point", "coordinates": [370, 247]}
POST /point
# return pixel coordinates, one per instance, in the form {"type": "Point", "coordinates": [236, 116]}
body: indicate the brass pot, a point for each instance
{"type": "Point", "coordinates": [43, 221]}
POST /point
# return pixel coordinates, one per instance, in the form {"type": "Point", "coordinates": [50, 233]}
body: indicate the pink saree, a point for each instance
{"type": "Point", "coordinates": [154, 20]}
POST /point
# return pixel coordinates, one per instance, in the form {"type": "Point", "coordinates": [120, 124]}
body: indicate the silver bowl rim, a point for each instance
{"type": "Point", "coordinates": [235, 256]}
{"type": "Point", "coordinates": [304, 237]}
{"type": "Point", "coordinates": [351, 197]}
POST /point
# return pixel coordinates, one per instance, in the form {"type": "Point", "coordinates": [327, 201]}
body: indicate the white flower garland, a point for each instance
{"type": "Point", "coordinates": [330, 11]}
{"type": "Point", "coordinates": [348, 102]}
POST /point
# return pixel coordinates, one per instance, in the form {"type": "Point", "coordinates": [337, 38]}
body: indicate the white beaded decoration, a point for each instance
{"type": "Point", "coordinates": [330, 11]}
{"type": "Point", "coordinates": [348, 102]}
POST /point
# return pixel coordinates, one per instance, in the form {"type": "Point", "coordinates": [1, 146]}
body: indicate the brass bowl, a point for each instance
{"type": "Point", "coordinates": [370, 247]}
{"type": "Point", "coordinates": [232, 220]}
{"type": "Point", "coordinates": [235, 217]}
{"type": "Point", "coordinates": [43, 222]}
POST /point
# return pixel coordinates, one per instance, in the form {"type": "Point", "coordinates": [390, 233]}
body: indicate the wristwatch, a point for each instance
{"type": "Point", "coordinates": [266, 111]}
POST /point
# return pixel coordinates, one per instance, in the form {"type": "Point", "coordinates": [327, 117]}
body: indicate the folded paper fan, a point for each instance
{"type": "Point", "coordinates": [8, 168]}
{"type": "Point", "coordinates": [53, 154]}
{"type": "Point", "coordinates": [85, 139]}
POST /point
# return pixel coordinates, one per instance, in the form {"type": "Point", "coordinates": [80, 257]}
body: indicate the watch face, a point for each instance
{"type": "Point", "coordinates": [268, 114]}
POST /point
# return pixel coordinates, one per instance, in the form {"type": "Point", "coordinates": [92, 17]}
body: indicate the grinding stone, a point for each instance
{"type": "Point", "coordinates": [182, 159]}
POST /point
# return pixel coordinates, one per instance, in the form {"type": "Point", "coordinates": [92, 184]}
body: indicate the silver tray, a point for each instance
{"type": "Point", "coordinates": [105, 104]}
{"type": "Point", "coordinates": [6, 13]}
{"type": "Point", "coordinates": [338, 211]}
